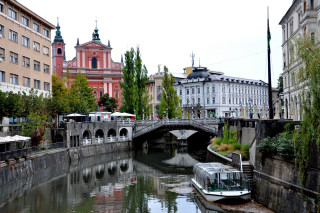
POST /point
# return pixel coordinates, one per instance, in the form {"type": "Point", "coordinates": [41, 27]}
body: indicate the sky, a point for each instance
{"type": "Point", "coordinates": [227, 36]}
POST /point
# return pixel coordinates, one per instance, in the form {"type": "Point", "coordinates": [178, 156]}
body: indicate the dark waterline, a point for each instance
{"type": "Point", "coordinates": [143, 181]}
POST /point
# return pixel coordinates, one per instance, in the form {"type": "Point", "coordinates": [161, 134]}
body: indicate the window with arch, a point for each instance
{"type": "Point", "coordinates": [59, 51]}
{"type": "Point", "coordinates": [312, 4]}
{"type": "Point", "coordinates": [94, 62]}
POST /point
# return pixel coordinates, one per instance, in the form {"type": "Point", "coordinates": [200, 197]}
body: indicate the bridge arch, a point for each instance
{"type": "Point", "coordinates": [112, 133]}
{"type": "Point", "coordinates": [112, 168]}
{"type": "Point", "coordinates": [99, 136]}
{"type": "Point", "coordinates": [87, 137]}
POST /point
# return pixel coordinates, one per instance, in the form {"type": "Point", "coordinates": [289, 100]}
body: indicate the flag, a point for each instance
{"type": "Point", "coordinates": [268, 32]}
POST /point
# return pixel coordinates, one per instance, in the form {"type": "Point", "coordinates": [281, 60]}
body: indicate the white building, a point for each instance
{"type": "Point", "coordinates": [207, 93]}
{"type": "Point", "coordinates": [302, 18]}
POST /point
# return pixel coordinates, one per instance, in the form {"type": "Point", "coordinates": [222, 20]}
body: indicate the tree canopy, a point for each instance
{"type": "Point", "coordinates": [169, 102]}
{"type": "Point", "coordinates": [135, 97]}
{"type": "Point", "coordinates": [108, 103]}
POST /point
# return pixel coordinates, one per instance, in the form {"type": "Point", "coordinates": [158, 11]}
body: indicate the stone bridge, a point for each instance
{"type": "Point", "coordinates": [209, 126]}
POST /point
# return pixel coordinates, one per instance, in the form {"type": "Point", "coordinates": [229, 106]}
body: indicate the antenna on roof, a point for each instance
{"type": "Point", "coordinates": [192, 58]}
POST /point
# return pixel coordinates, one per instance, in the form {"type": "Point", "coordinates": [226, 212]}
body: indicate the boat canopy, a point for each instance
{"type": "Point", "coordinates": [204, 170]}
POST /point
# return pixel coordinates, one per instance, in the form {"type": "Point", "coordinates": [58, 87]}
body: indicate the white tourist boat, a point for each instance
{"type": "Point", "coordinates": [226, 182]}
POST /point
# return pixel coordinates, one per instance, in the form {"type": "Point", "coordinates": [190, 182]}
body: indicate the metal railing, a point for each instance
{"type": "Point", "coordinates": [30, 150]}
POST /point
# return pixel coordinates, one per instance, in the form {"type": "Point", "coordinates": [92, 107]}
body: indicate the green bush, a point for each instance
{"type": "Point", "coordinates": [245, 148]}
{"type": "Point", "coordinates": [236, 146]}
{"type": "Point", "coordinates": [281, 144]}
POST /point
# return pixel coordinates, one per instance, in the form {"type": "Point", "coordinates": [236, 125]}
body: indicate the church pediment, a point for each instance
{"type": "Point", "coordinates": [93, 44]}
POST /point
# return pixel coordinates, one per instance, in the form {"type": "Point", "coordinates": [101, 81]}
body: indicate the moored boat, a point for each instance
{"type": "Point", "coordinates": [216, 181]}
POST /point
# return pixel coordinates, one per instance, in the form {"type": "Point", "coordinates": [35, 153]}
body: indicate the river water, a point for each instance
{"type": "Point", "coordinates": [154, 180]}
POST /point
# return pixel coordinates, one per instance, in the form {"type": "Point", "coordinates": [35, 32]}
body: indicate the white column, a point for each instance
{"type": "Point", "coordinates": [109, 60]}
{"type": "Point", "coordinates": [78, 59]}
{"type": "Point", "coordinates": [105, 87]}
{"type": "Point", "coordinates": [83, 59]}
{"type": "Point", "coordinates": [110, 90]}
{"type": "Point", "coordinates": [104, 60]}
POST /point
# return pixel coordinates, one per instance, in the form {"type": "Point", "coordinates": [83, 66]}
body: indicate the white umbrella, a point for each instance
{"type": "Point", "coordinates": [74, 115]}
{"type": "Point", "coordinates": [9, 138]}
{"type": "Point", "coordinates": [20, 138]}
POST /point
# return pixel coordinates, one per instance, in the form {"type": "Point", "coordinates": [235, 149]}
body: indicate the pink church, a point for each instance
{"type": "Point", "coordinates": [93, 59]}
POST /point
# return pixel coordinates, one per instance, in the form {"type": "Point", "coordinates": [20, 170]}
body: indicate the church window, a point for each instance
{"type": "Point", "coordinates": [94, 62]}
{"type": "Point", "coordinates": [59, 51]}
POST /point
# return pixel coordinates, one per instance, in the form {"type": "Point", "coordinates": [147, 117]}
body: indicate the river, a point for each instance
{"type": "Point", "coordinates": [153, 180]}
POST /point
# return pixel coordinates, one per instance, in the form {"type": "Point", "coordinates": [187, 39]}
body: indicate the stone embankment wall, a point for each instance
{"type": "Point", "coordinates": [277, 181]}
{"type": "Point", "coordinates": [40, 162]}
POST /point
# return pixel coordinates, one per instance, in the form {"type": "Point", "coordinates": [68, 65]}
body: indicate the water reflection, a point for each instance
{"type": "Point", "coordinates": [117, 182]}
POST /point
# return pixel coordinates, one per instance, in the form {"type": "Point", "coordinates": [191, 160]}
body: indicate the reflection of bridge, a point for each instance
{"type": "Point", "coordinates": [209, 126]}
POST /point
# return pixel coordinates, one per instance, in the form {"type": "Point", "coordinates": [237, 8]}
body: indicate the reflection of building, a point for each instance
{"type": "Point", "coordinates": [25, 40]}
{"type": "Point", "coordinates": [302, 18]}
{"type": "Point", "coordinates": [93, 59]}
{"type": "Point", "coordinates": [207, 93]}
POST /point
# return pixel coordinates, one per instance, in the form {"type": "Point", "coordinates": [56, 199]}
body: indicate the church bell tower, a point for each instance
{"type": "Point", "coordinates": [58, 52]}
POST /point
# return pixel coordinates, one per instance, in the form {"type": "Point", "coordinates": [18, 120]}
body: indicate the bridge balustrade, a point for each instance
{"type": "Point", "coordinates": [99, 140]}
{"type": "Point", "coordinates": [111, 139]}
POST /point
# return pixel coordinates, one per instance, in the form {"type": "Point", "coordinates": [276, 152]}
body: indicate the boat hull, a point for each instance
{"type": "Point", "coordinates": [215, 196]}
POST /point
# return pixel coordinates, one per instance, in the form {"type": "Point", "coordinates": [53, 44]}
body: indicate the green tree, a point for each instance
{"type": "Point", "coordinates": [81, 97]}
{"type": "Point", "coordinates": [128, 86]}
{"type": "Point", "coordinates": [36, 126]}
{"type": "Point", "coordinates": [13, 104]}
{"type": "Point", "coordinates": [60, 101]}
{"type": "Point", "coordinates": [2, 105]}
{"type": "Point", "coordinates": [309, 75]}
{"type": "Point", "coordinates": [280, 84]}
{"type": "Point", "coordinates": [143, 105]}
{"type": "Point", "coordinates": [108, 103]}
{"type": "Point", "coordinates": [169, 102]}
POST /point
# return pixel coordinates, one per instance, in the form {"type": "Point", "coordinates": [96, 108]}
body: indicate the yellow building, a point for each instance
{"type": "Point", "coordinates": [25, 49]}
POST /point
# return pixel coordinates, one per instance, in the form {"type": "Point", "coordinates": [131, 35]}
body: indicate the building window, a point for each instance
{"type": "Point", "coordinates": [198, 90]}
{"type": "Point", "coordinates": [46, 32]}
{"type": "Point", "coordinates": [116, 93]}
{"type": "Point", "coordinates": [213, 100]}
{"type": "Point", "coordinates": [2, 54]}
{"type": "Point", "coordinates": [208, 100]}
{"type": "Point", "coordinates": [187, 91]}
{"type": "Point", "coordinates": [59, 51]}
{"type": "Point", "coordinates": [36, 46]}
{"type": "Point", "coordinates": [36, 84]}
{"type": "Point", "coordinates": [25, 21]}
{"type": "Point", "coordinates": [13, 36]}
{"type": "Point", "coordinates": [25, 61]}
{"type": "Point", "coordinates": [304, 5]}
{"type": "Point", "coordinates": [94, 63]}
{"type": "Point", "coordinates": [12, 14]}
{"type": "Point", "coordinates": [25, 41]}
{"type": "Point", "coordinates": [36, 27]}
{"type": "Point", "coordinates": [213, 89]}
{"type": "Point", "coordinates": [291, 28]}
{"type": "Point", "coordinates": [2, 76]}
{"type": "Point", "coordinates": [1, 31]}
{"type": "Point", "coordinates": [36, 65]}
{"type": "Point", "coordinates": [100, 94]}
{"type": "Point", "coordinates": [46, 68]}
{"type": "Point", "coordinates": [46, 86]}
{"type": "Point", "coordinates": [223, 100]}
{"type": "Point", "coordinates": [1, 7]}
{"type": "Point", "coordinates": [312, 4]}
{"type": "Point", "coordinates": [26, 82]}
{"type": "Point", "coordinates": [208, 90]}
{"type": "Point", "coordinates": [181, 92]}
{"type": "Point", "coordinates": [192, 89]}
{"type": "Point", "coordinates": [198, 100]}
{"type": "Point", "coordinates": [14, 79]}
{"type": "Point", "coordinates": [14, 57]}
{"type": "Point", "coordinates": [46, 50]}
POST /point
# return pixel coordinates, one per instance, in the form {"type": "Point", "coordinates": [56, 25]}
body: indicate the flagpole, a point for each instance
{"type": "Point", "coordinates": [269, 70]}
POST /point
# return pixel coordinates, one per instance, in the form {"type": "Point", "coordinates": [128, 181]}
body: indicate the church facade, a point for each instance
{"type": "Point", "coordinates": [93, 59]}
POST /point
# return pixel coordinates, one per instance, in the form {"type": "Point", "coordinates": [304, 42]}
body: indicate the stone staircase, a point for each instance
{"type": "Point", "coordinates": [248, 170]}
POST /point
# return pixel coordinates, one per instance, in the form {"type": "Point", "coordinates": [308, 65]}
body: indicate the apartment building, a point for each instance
{"type": "Point", "coordinates": [25, 47]}
{"type": "Point", "coordinates": [301, 19]}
